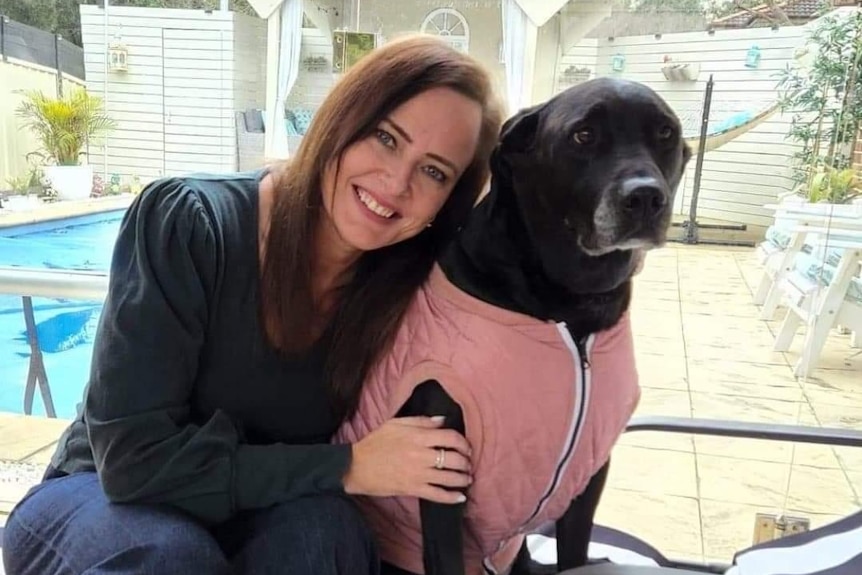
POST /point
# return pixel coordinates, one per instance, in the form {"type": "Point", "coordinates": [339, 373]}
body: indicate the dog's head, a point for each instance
{"type": "Point", "coordinates": [595, 170]}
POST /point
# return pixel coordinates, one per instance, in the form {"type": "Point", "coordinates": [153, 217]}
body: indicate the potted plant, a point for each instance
{"type": "Point", "coordinates": [832, 186]}
{"type": "Point", "coordinates": [316, 64]}
{"type": "Point", "coordinates": [23, 193]}
{"type": "Point", "coordinates": [826, 102]}
{"type": "Point", "coordinates": [679, 71]}
{"type": "Point", "coordinates": [64, 127]}
{"type": "Point", "coordinates": [575, 75]}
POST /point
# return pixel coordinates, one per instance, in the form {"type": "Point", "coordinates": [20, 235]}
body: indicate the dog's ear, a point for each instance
{"type": "Point", "coordinates": [516, 136]}
{"type": "Point", "coordinates": [686, 154]}
{"type": "Point", "coordinates": [519, 131]}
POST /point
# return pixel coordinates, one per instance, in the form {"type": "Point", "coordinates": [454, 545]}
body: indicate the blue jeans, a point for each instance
{"type": "Point", "coordinates": [66, 526]}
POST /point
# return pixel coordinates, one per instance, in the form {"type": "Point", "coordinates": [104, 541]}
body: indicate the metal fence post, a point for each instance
{"type": "Point", "coordinates": [3, 37]}
{"type": "Point", "coordinates": [36, 374]}
{"type": "Point", "coordinates": [57, 65]}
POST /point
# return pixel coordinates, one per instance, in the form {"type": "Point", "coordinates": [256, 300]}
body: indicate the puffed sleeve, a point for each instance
{"type": "Point", "coordinates": [137, 407]}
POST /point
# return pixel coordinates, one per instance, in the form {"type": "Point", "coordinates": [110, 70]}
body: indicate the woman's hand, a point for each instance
{"type": "Point", "coordinates": [401, 458]}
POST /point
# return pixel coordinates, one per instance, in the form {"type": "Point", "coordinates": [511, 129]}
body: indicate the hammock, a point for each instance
{"type": "Point", "coordinates": [732, 124]}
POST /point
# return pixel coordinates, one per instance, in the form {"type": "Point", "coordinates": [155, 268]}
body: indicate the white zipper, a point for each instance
{"type": "Point", "coordinates": [579, 414]}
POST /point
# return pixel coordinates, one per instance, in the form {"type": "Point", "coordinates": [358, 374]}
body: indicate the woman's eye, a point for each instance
{"type": "Point", "coordinates": [385, 138]}
{"type": "Point", "coordinates": [435, 173]}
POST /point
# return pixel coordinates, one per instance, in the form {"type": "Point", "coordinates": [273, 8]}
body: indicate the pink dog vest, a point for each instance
{"type": "Point", "coordinates": [540, 422]}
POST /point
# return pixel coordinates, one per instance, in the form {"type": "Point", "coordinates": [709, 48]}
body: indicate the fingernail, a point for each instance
{"type": "Point", "coordinates": [438, 418]}
{"type": "Point", "coordinates": [462, 498]}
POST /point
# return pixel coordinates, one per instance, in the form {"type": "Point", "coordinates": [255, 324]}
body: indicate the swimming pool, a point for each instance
{"type": "Point", "coordinates": [65, 327]}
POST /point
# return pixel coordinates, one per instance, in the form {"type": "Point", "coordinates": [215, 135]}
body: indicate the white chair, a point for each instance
{"type": "Point", "coordinates": [821, 296]}
{"type": "Point", "coordinates": [795, 232]}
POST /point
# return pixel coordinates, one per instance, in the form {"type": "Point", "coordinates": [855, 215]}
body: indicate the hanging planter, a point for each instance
{"type": "Point", "coordinates": [317, 64]}
{"type": "Point", "coordinates": [681, 72]}
{"type": "Point", "coordinates": [575, 75]}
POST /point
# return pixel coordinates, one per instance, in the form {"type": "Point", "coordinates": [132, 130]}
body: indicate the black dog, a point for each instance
{"type": "Point", "coordinates": [580, 186]}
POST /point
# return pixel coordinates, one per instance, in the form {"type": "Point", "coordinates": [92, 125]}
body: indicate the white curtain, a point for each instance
{"type": "Point", "coordinates": [515, 23]}
{"type": "Point", "coordinates": [288, 69]}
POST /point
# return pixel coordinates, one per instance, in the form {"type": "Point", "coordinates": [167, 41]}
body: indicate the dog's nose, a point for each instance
{"type": "Point", "coordinates": [643, 197]}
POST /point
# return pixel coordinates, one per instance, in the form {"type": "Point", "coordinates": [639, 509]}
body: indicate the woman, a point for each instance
{"type": "Point", "coordinates": [242, 315]}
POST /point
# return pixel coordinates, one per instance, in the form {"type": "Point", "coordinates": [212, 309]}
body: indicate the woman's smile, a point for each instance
{"type": "Point", "coordinates": [378, 208]}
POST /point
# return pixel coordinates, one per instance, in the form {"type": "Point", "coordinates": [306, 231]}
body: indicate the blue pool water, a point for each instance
{"type": "Point", "coordinates": [65, 327]}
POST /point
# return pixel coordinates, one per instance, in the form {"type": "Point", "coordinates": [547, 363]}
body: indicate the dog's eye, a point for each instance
{"type": "Point", "coordinates": [585, 137]}
{"type": "Point", "coordinates": [665, 132]}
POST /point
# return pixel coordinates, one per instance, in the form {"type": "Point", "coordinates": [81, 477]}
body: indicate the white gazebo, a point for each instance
{"type": "Point", "coordinates": [535, 32]}
{"type": "Point", "coordinates": [532, 38]}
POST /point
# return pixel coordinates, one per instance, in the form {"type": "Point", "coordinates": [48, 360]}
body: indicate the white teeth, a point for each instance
{"type": "Point", "coordinates": [372, 205]}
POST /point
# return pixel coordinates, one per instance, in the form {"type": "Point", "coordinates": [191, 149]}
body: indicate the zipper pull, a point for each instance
{"type": "Point", "coordinates": [581, 344]}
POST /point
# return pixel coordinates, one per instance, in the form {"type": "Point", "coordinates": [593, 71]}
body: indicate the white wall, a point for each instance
{"type": "Point", "coordinates": [311, 87]}
{"type": "Point", "coordinates": [15, 143]}
{"type": "Point", "coordinates": [584, 55]}
{"type": "Point", "coordinates": [249, 48]}
{"type": "Point", "coordinates": [189, 70]}
{"type": "Point", "coordinates": [748, 172]}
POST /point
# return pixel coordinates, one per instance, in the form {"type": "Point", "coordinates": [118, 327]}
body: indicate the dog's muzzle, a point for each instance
{"type": "Point", "coordinates": [642, 199]}
{"type": "Point", "coordinates": [631, 214]}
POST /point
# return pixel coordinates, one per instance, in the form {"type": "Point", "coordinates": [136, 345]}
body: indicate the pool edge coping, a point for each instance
{"type": "Point", "coordinates": [56, 211]}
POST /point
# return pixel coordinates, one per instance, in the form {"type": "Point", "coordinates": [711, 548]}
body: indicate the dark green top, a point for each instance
{"type": "Point", "coordinates": [187, 404]}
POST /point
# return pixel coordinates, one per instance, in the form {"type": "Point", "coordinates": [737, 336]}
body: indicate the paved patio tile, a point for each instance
{"type": "Point", "coordinates": [728, 527]}
{"type": "Point", "coordinates": [819, 490]}
{"type": "Point", "coordinates": [725, 406]}
{"type": "Point", "coordinates": [855, 478]}
{"type": "Point", "coordinates": [851, 460]}
{"type": "Point", "coordinates": [22, 436]}
{"type": "Point", "coordinates": [661, 371]}
{"type": "Point", "coordinates": [670, 523]}
{"type": "Point", "coordinates": [845, 380]}
{"type": "Point", "coordinates": [742, 480]}
{"type": "Point", "coordinates": [743, 379]}
{"type": "Point", "coordinates": [653, 471]}
{"type": "Point", "coordinates": [736, 350]}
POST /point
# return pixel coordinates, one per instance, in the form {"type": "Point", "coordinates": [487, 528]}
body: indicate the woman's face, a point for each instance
{"type": "Point", "coordinates": [391, 184]}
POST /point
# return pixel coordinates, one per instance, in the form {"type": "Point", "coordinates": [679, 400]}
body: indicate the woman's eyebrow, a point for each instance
{"type": "Point", "coordinates": [399, 129]}
{"type": "Point", "coordinates": [407, 137]}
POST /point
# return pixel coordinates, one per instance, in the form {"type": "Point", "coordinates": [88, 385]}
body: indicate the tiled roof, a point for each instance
{"type": "Point", "coordinates": [623, 23]}
{"type": "Point", "coordinates": [798, 11]}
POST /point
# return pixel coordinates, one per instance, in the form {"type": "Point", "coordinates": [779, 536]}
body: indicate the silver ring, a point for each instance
{"type": "Point", "coordinates": [441, 458]}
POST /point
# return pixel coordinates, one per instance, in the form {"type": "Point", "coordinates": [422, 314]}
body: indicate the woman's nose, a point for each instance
{"type": "Point", "coordinates": [398, 178]}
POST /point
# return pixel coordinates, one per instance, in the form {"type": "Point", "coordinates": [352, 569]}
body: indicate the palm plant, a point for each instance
{"type": "Point", "coordinates": [65, 125]}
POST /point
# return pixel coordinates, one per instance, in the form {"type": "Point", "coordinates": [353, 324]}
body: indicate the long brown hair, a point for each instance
{"type": "Point", "coordinates": [371, 306]}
